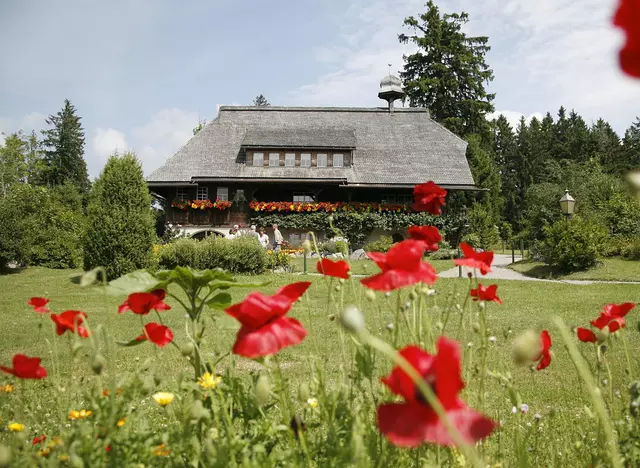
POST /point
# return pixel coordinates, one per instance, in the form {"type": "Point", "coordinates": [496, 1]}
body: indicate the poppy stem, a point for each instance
{"type": "Point", "coordinates": [626, 353]}
{"type": "Point", "coordinates": [396, 320]}
{"type": "Point", "coordinates": [594, 393]}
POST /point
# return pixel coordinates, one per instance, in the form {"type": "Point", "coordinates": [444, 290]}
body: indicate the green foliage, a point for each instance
{"type": "Point", "coordinates": [541, 209]}
{"type": "Point", "coordinates": [448, 73]}
{"type": "Point", "coordinates": [13, 164]}
{"type": "Point", "coordinates": [630, 249]}
{"type": "Point", "coordinates": [279, 260]}
{"type": "Point", "coordinates": [483, 225]}
{"type": "Point", "coordinates": [261, 101]}
{"type": "Point", "coordinates": [572, 245]}
{"type": "Point", "coordinates": [381, 245]}
{"type": "Point", "coordinates": [241, 255]}
{"type": "Point", "coordinates": [15, 235]}
{"type": "Point", "coordinates": [64, 149]}
{"type": "Point", "coordinates": [342, 247]}
{"type": "Point", "coordinates": [120, 231]}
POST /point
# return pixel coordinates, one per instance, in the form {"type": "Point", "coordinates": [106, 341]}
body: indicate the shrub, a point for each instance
{"type": "Point", "coordinates": [120, 231]}
{"type": "Point", "coordinates": [473, 239]}
{"type": "Point", "coordinates": [241, 255]}
{"type": "Point", "coordinates": [342, 247]}
{"type": "Point", "coordinates": [483, 226]}
{"type": "Point", "coordinates": [572, 245]}
{"type": "Point", "coordinates": [381, 245]}
{"type": "Point", "coordinates": [279, 260]}
{"type": "Point", "coordinates": [631, 249]}
{"type": "Point", "coordinates": [328, 247]}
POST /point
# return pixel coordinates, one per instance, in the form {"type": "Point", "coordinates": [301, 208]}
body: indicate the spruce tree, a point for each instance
{"type": "Point", "coordinates": [261, 101]}
{"type": "Point", "coordinates": [448, 73]}
{"type": "Point", "coordinates": [120, 231]}
{"type": "Point", "coordinates": [64, 149]}
{"type": "Point", "coordinates": [631, 146]}
{"type": "Point", "coordinates": [13, 166]}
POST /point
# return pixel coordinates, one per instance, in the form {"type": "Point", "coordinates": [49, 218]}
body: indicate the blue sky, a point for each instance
{"type": "Point", "coordinates": [141, 72]}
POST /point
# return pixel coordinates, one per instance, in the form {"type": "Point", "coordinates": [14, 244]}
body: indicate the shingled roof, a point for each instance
{"type": "Point", "coordinates": [405, 147]}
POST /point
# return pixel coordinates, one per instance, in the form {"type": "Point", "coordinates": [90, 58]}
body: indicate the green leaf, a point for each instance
{"type": "Point", "coordinates": [129, 344]}
{"type": "Point", "coordinates": [137, 281]}
{"type": "Point", "coordinates": [226, 322]}
{"type": "Point", "coordinates": [91, 276]}
{"type": "Point", "coordinates": [220, 301]}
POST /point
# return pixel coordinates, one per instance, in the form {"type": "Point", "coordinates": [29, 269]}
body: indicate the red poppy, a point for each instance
{"type": "Point", "coordinates": [429, 197]}
{"type": "Point", "coordinates": [545, 354]}
{"type": "Point", "coordinates": [413, 421]}
{"type": "Point", "coordinates": [156, 333]}
{"type": "Point", "coordinates": [265, 329]}
{"type": "Point", "coordinates": [428, 234]}
{"type": "Point", "coordinates": [70, 320]}
{"type": "Point", "coordinates": [38, 304]}
{"type": "Point", "coordinates": [472, 259]}
{"type": "Point", "coordinates": [339, 268]}
{"type": "Point", "coordinates": [26, 368]}
{"type": "Point", "coordinates": [401, 266]}
{"type": "Point", "coordinates": [142, 303]}
{"type": "Point", "coordinates": [612, 318]}
{"type": "Point", "coordinates": [39, 439]}
{"type": "Point", "coordinates": [486, 294]}
{"type": "Point", "coordinates": [628, 18]}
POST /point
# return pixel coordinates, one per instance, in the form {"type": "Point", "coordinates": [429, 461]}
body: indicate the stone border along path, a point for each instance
{"type": "Point", "coordinates": [501, 272]}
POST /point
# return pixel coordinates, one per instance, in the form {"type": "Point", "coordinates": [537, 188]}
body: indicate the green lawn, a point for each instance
{"type": "Point", "coordinates": [362, 267]}
{"type": "Point", "coordinates": [610, 269]}
{"type": "Point", "coordinates": [557, 390]}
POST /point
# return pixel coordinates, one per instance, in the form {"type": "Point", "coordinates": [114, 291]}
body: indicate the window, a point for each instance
{"type": "Point", "coordinates": [302, 197]}
{"type": "Point", "coordinates": [388, 198]}
{"type": "Point", "coordinates": [305, 160]}
{"type": "Point", "coordinates": [203, 193]}
{"type": "Point", "coordinates": [322, 160]}
{"type": "Point", "coordinates": [405, 199]}
{"type": "Point", "coordinates": [274, 159]}
{"type": "Point", "coordinates": [258, 159]}
{"type": "Point", "coordinates": [222, 193]}
{"type": "Point", "coordinates": [338, 160]}
{"type": "Point", "coordinates": [290, 159]}
{"type": "Point", "coordinates": [181, 194]}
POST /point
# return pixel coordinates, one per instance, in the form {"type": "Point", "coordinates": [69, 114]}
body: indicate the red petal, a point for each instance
{"type": "Point", "coordinates": [428, 234]}
{"type": "Point", "coordinates": [447, 372]}
{"type": "Point", "coordinates": [545, 361]}
{"type": "Point", "coordinates": [158, 334]}
{"type": "Point", "coordinates": [38, 304]}
{"type": "Point", "coordinates": [27, 368]}
{"type": "Point", "coordinates": [123, 307]}
{"type": "Point", "coordinates": [257, 309]}
{"type": "Point", "coordinates": [337, 269]}
{"type": "Point", "coordinates": [379, 258]}
{"type": "Point", "coordinates": [618, 310]}
{"type": "Point", "coordinates": [616, 324]}
{"type": "Point", "coordinates": [269, 339]}
{"type": "Point", "coordinates": [405, 255]}
{"type": "Point", "coordinates": [545, 340]}
{"type": "Point", "coordinates": [399, 382]}
{"type": "Point", "coordinates": [293, 291]}
{"type": "Point", "coordinates": [586, 336]}
{"type": "Point", "coordinates": [410, 424]}
{"type": "Point", "coordinates": [393, 279]}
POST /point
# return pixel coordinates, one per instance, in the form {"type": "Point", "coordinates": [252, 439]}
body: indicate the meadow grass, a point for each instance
{"type": "Point", "coordinates": [360, 267]}
{"type": "Point", "coordinates": [557, 393]}
{"type": "Point", "coordinates": [609, 269]}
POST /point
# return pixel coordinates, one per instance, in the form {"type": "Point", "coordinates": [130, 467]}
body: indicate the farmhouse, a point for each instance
{"type": "Point", "coordinates": [306, 159]}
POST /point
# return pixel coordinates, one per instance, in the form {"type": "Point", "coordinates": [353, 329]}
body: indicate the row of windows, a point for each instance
{"type": "Point", "coordinates": [305, 160]}
{"type": "Point", "coordinates": [222, 193]}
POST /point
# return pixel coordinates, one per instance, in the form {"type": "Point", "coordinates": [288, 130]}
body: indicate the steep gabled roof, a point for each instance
{"type": "Point", "coordinates": [400, 148]}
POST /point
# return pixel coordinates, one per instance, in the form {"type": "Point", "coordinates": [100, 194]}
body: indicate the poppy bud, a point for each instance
{"type": "Point", "coordinates": [76, 461]}
{"type": "Point", "coordinates": [332, 317]}
{"type": "Point", "coordinates": [341, 280]}
{"type": "Point", "coordinates": [76, 348]}
{"type": "Point", "coordinates": [187, 349]}
{"type": "Point", "coordinates": [199, 412]}
{"type": "Point", "coordinates": [602, 335]}
{"type": "Point", "coordinates": [306, 245]}
{"type": "Point", "coordinates": [413, 295]}
{"type": "Point", "coordinates": [297, 425]}
{"type": "Point", "coordinates": [390, 327]}
{"type": "Point", "coordinates": [157, 379]}
{"type": "Point", "coordinates": [5, 456]}
{"type": "Point", "coordinates": [352, 319]}
{"type": "Point", "coordinates": [337, 287]}
{"type": "Point", "coordinates": [262, 390]}
{"type": "Point", "coordinates": [303, 392]}
{"type": "Point", "coordinates": [526, 348]}
{"type": "Point", "coordinates": [97, 364]}
{"type": "Point", "coordinates": [476, 327]}
{"type": "Point", "coordinates": [371, 296]}
{"type": "Point", "coordinates": [439, 326]}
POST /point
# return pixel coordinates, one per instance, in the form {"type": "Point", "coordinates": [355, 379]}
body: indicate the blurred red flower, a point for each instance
{"type": "Point", "coordinates": [427, 234]}
{"type": "Point", "coordinates": [429, 197]}
{"type": "Point", "coordinates": [472, 259]}
{"type": "Point", "coordinates": [156, 333]}
{"type": "Point", "coordinates": [338, 269]}
{"type": "Point", "coordinates": [70, 320]}
{"type": "Point", "coordinates": [38, 304]}
{"type": "Point", "coordinates": [412, 422]}
{"type": "Point", "coordinates": [38, 439]}
{"type": "Point", "coordinates": [142, 303]}
{"type": "Point", "coordinates": [627, 18]}
{"type": "Point", "coordinates": [545, 354]}
{"type": "Point", "coordinates": [486, 294]}
{"type": "Point", "coordinates": [25, 368]}
{"type": "Point", "coordinates": [612, 317]}
{"type": "Point", "coordinates": [401, 266]}
{"type": "Point", "coordinates": [265, 329]}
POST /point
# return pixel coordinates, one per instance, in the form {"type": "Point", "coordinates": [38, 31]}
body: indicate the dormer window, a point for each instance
{"type": "Point", "coordinates": [203, 193]}
{"type": "Point", "coordinates": [258, 159]}
{"type": "Point", "coordinates": [322, 160]}
{"type": "Point", "coordinates": [290, 159]}
{"type": "Point", "coordinates": [274, 159]}
{"type": "Point", "coordinates": [305, 160]}
{"type": "Point", "coordinates": [338, 160]}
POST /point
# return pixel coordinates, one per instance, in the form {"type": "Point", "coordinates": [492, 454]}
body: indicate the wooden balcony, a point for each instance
{"type": "Point", "coordinates": [225, 218]}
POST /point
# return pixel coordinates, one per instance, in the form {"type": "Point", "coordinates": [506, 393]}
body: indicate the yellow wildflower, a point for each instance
{"type": "Point", "coordinates": [44, 452]}
{"type": "Point", "coordinates": [8, 388]}
{"type": "Point", "coordinates": [74, 414]}
{"type": "Point", "coordinates": [163, 398]}
{"type": "Point", "coordinates": [121, 422]}
{"type": "Point", "coordinates": [209, 381]}
{"type": "Point", "coordinates": [161, 451]}
{"type": "Point", "coordinates": [16, 427]}
{"type": "Point", "coordinates": [64, 457]}
{"type": "Point", "coordinates": [312, 402]}
{"type": "Point", "coordinates": [54, 442]}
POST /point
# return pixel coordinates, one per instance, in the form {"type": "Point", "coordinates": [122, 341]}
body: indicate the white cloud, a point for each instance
{"type": "Point", "coordinates": [513, 117]}
{"type": "Point", "coordinates": [105, 142]}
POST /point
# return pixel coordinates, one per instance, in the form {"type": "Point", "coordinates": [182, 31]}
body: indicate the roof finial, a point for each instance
{"type": "Point", "coordinates": [389, 68]}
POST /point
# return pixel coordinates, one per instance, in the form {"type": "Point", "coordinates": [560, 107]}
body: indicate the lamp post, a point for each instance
{"type": "Point", "coordinates": [567, 204]}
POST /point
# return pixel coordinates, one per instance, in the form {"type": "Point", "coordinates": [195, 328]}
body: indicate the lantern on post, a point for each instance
{"type": "Point", "coordinates": [567, 204]}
